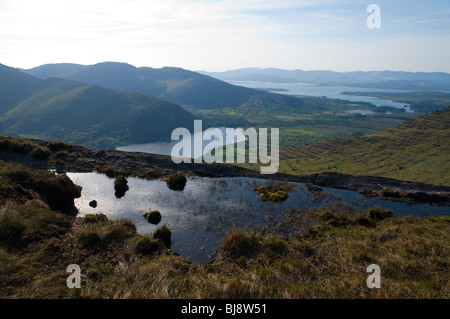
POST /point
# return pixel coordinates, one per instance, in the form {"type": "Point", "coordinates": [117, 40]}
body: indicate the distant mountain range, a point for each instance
{"type": "Point", "coordinates": [371, 79]}
{"type": "Point", "coordinates": [112, 104]}
{"type": "Point", "coordinates": [90, 115]}
{"type": "Point", "coordinates": [176, 85]}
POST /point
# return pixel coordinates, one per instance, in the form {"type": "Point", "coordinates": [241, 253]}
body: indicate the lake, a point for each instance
{"type": "Point", "coordinates": [165, 148]}
{"type": "Point", "coordinates": [201, 214]}
{"type": "Point", "coordinates": [329, 91]}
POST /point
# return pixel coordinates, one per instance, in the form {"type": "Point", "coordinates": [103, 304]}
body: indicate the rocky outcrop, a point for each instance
{"type": "Point", "coordinates": [386, 188]}
{"type": "Point", "coordinates": [59, 193]}
{"type": "Point", "coordinates": [22, 184]}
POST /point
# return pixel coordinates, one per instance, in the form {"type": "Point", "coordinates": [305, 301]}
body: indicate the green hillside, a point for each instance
{"type": "Point", "coordinates": [94, 116]}
{"type": "Point", "coordinates": [176, 85]}
{"type": "Point", "coordinates": [14, 87]}
{"type": "Point", "coordinates": [417, 150]}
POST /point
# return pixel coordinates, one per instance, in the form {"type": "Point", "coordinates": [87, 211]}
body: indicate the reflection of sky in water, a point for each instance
{"type": "Point", "coordinates": [165, 148]}
{"type": "Point", "coordinates": [200, 215]}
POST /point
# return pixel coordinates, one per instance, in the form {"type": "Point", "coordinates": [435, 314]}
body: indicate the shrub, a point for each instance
{"type": "Point", "coordinates": [95, 218]}
{"type": "Point", "coordinates": [325, 216]}
{"type": "Point", "coordinates": [60, 162]}
{"type": "Point", "coordinates": [23, 224]}
{"type": "Point", "coordinates": [164, 234]}
{"type": "Point", "coordinates": [176, 181]}
{"type": "Point", "coordinates": [304, 248]}
{"type": "Point", "coordinates": [20, 173]}
{"type": "Point", "coordinates": [238, 243]}
{"type": "Point", "coordinates": [148, 246]}
{"type": "Point", "coordinates": [274, 193]}
{"type": "Point", "coordinates": [153, 217]}
{"type": "Point", "coordinates": [379, 213]}
{"type": "Point", "coordinates": [237, 289]}
{"type": "Point", "coordinates": [21, 147]}
{"type": "Point", "coordinates": [366, 222]}
{"type": "Point", "coordinates": [274, 245]}
{"type": "Point", "coordinates": [116, 233]}
{"type": "Point", "coordinates": [61, 154]}
{"type": "Point", "coordinates": [120, 186]}
{"type": "Point", "coordinates": [11, 230]}
{"type": "Point", "coordinates": [88, 238]}
{"type": "Point", "coordinates": [109, 171]}
{"type": "Point", "coordinates": [40, 152]}
{"type": "Point", "coordinates": [4, 143]}
{"type": "Point", "coordinates": [277, 196]}
{"type": "Point", "coordinates": [57, 146]}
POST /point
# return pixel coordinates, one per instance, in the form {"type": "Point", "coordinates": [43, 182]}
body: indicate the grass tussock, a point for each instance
{"type": "Point", "coordinates": [176, 181]}
{"type": "Point", "coordinates": [153, 217]}
{"type": "Point", "coordinates": [164, 234]}
{"type": "Point", "coordinates": [24, 146]}
{"type": "Point", "coordinates": [120, 186]}
{"type": "Point", "coordinates": [326, 260]}
{"type": "Point", "coordinates": [274, 193]}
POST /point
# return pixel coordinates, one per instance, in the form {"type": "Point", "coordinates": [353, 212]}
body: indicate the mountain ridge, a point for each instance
{"type": "Point", "coordinates": [173, 84]}
{"type": "Point", "coordinates": [79, 113]}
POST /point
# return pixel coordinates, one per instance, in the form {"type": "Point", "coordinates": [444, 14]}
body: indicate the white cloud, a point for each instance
{"type": "Point", "coordinates": [206, 35]}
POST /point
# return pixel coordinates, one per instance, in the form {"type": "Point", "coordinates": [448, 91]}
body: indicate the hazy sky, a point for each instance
{"type": "Point", "coordinates": [217, 35]}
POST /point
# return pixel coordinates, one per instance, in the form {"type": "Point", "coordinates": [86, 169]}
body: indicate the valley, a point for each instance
{"type": "Point", "coordinates": [353, 188]}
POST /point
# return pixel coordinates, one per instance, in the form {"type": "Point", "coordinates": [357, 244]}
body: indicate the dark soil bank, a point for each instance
{"type": "Point", "coordinates": [66, 157]}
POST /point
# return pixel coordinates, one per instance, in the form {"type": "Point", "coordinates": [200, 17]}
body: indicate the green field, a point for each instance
{"type": "Point", "coordinates": [417, 150]}
{"type": "Point", "coordinates": [321, 136]}
{"type": "Point", "coordinates": [317, 119]}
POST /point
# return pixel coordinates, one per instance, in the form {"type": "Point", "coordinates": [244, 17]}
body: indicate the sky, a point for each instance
{"type": "Point", "coordinates": [219, 35]}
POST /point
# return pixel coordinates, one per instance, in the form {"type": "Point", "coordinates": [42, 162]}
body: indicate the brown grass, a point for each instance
{"type": "Point", "coordinates": [329, 260]}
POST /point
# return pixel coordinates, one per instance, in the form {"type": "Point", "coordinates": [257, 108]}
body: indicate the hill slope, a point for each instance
{"type": "Point", "coordinates": [78, 113]}
{"type": "Point", "coordinates": [172, 84]}
{"type": "Point", "coordinates": [416, 150]}
{"type": "Point", "coordinates": [14, 87]}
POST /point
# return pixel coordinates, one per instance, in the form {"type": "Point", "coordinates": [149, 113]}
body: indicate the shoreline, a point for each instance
{"type": "Point", "coordinates": [72, 158]}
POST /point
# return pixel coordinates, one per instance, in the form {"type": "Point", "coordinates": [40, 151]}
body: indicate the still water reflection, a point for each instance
{"type": "Point", "coordinates": [207, 208]}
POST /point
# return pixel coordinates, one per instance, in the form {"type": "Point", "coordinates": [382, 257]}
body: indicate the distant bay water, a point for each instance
{"type": "Point", "coordinates": [329, 91]}
{"type": "Point", "coordinates": [333, 92]}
